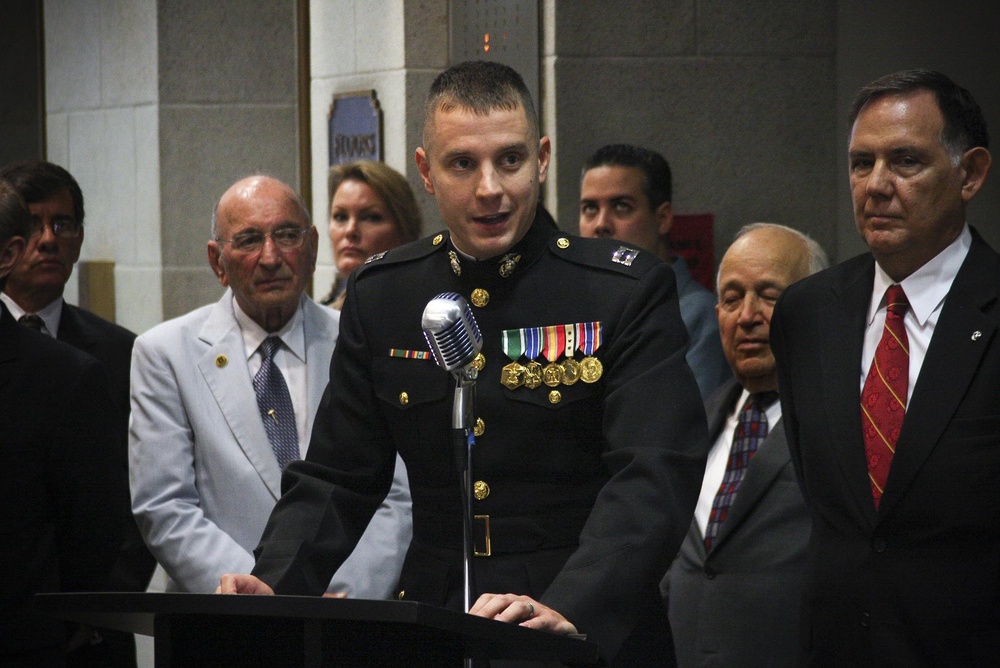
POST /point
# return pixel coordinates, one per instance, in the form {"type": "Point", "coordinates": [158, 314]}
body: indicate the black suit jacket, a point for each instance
{"type": "Point", "coordinates": [739, 605]}
{"type": "Point", "coordinates": [111, 345]}
{"type": "Point", "coordinates": [58, 527]}
{"type": "Point", "coordinates": [916, 582]}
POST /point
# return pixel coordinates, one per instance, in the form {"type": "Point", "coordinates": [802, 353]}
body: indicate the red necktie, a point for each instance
{"type": "Point", "coordinates": [883, 399]}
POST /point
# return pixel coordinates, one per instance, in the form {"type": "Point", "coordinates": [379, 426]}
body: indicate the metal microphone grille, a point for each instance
{"type": "Point", "coordinates": [451, 331]}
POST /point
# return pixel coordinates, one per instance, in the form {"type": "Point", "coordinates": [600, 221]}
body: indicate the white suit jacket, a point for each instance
{"type": "Point", "coordinates": [203, 476]}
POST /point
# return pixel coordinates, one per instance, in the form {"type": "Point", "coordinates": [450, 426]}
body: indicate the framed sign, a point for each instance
{"type": "Point", "coordinates": [355, 127]}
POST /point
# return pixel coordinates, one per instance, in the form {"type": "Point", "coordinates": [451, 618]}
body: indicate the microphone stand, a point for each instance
{"type": "Point", "coordinates": [463, 440]}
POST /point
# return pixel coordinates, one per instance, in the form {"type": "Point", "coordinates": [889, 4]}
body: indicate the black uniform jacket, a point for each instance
{"type": "Point", "coordinates": [589, 487]}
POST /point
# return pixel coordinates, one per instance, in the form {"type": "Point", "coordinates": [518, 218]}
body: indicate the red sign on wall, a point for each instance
{"type": "Point", "coordinates": [692, 237]}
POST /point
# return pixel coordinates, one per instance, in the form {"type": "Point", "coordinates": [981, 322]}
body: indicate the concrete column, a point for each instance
{"type": "Point", "coordinates": [393, 47]}
{"type": "Point", "coordinates": [156, 106]}
{"type": "Point", "coordinates": [102, 125]}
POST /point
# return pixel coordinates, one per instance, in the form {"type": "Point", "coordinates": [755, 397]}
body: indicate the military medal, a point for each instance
{"type": "Point", "coordinates": [588, 335]}
{"type": "Point", "coordinates": [532, 375]}
{"type": "Point", "coordinates": [532, 349]}
{"type": "Point", "coordinates": [591, 369]}
{"type": "Point", "coordinates": [511, 376]}
{"type": "Point", "coordinates": [512, 342]}
{"type": "Point", "coordinates": [571, 371]}
{"type": "Point", "coordinates": [553, 345]}
{"type": "Point", "coordinates": [571, 368]}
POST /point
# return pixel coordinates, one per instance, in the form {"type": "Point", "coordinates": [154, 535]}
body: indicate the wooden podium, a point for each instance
{"type": "Point", "coordinates": [211, 630]}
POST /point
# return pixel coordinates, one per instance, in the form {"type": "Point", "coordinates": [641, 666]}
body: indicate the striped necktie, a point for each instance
{"type": "Point", "coordinates": [883, 399]}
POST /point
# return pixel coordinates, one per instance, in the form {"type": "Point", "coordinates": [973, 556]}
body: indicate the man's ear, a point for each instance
{"type": "Point", "coordinates": [544, 155]}
{"type": "Point", "coordinates": [976, 163]}
{"type": "Point", "coordinates": [215, 261]}
{"type": "Point", "coordinates": [10, 252]}
{"type": "Point", "coordinates": [664, 218]}
{"type": "Point", "coordinates": [424, 167]}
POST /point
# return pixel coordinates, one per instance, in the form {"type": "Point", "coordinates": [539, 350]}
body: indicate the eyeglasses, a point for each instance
{"type": "Point", "coordinates": [64, 229]}
{"type": "Point", "coordinates": [285, 238]}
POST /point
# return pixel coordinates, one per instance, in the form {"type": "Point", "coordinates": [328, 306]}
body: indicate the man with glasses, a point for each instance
{"type": "Point", "coordinates": [224, 397]}
{"type": "Point", "coordinates": [34, 296]}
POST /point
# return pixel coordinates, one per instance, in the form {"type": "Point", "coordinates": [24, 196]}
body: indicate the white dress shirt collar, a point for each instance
{"type": "Point", "coordinates": [292, 334]}
{"type": "Point", "coordinates": [50, 315]}
{"type": "Point", "coordinates": [927, 287]}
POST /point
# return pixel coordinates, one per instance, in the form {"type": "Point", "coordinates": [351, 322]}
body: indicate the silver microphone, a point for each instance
{"type": "Point", "coordinates": [451, 332]}
{"type": "Point", "coordinates": [453, 335]}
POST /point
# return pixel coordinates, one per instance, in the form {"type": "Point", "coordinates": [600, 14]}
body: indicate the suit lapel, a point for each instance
{"type": "Point", "coordinates": [842, 335]}
{"type": "Point", "coordinates": [761, 473]}
{"type": "Point", "coordinates": [8, 345]}
{"type": "Point", "coordinates": [224, 367]}
{"type": "Point", "coordinates": [74, 331]}
{"type": "Point", "coordinates": [965, 330]}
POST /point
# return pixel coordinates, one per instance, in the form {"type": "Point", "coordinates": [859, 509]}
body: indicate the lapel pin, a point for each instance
{"type": "Point", "coordinates": [221, 361]}
{"type": "Point", "coordinates": [976, 334]}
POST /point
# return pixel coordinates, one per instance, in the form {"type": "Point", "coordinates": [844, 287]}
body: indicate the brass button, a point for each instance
{"type": "Point", "coordinates": [555, 396]}
{"type": "Point", "coordinates": [479, 362]}
{"type": "Point", "coordinates": [480, 490]}
{"type": "Point", "coordinates": [221, 361]}
{"type": "Point", "coordinates": [404, 398]}
{"type": "Point", "coordinates": [480, 298]}
{"type": "Point", "coordinates": [479, 428]}
{"type": "Point", "coordinates": [437, 240]}
{"type": "Point", "coordinates": [562, 242]}
{"type": "Point", "coordinates": [401, 595]}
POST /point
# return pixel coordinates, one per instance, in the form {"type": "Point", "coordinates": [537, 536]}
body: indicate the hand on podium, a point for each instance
{"type": "Point", "coordinates": [240, 583]}
{"type": "Point", "coordinates": [523, 610]}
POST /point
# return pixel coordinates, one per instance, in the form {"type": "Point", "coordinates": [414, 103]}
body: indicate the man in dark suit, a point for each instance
{"type": "Point", "coordinates": [889, 373]}
{"type": "Point", "coordinates": [34, 295]}
{"type": "Point", "coordinates": [58, 529]}
{"type": "Point", "coordinates": [734, 589]}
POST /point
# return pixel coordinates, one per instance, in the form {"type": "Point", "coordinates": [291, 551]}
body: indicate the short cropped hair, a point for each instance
{"type": "Point", "coordinates": [818, 259]}
{"type": "Point", "coordinates": [655, 168]}
{"type": "Point", "coordinates": [15, 218]}
{"type": "Point", "coordinates": [39, 181]}
{"type": "Point", "coordinates": [481, 87]}
{"type": "Point", "coordinates": [964, 123]}
{"type": "Point", "coordinates": [389, 186]}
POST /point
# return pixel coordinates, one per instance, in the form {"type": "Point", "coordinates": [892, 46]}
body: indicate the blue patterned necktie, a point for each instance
{"type": "Point", "coordinates": [275, 405]}
{"type": "Point", "coordinates": [751, 430]}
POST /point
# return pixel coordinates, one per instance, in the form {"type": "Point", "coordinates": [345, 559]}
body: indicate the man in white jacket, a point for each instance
{"type": "Point", "coordinates": [204, 463]}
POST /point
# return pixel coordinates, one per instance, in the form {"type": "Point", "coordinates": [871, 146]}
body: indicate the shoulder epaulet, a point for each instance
{"type": "Point", "coordinates": [605, 254]}
{"type": "Point", "coordinates": [405, 253]}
